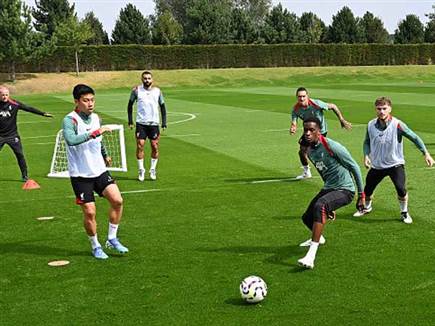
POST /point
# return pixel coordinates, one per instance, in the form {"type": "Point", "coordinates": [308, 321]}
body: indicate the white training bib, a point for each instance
{"type": "Point", "coordinates": [148, 112]}
{"type": "Point", "coordinates": [85, 160]}
{"type": "Point", "coordinates": [385, 149]}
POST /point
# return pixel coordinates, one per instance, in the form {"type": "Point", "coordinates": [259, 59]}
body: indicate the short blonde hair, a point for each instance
{"type": "Point", "coordinates": [383, 100]}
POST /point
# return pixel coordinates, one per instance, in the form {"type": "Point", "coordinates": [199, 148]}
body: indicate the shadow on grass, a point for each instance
{"type": "Point", "coordinates": [237, 302]}
{"type": "Point", "coordinates": [31, 248]}
{"type": "Point", "coordinates": [282, 256]}
{"type": "Point", "coordinates": [368, 220]}
{"type": "Point", "coordinates": [263, 180]}
{"type": "Point", "coordinates": [19, 181]}
{"type": "Point", "coordinates": [287, 217]}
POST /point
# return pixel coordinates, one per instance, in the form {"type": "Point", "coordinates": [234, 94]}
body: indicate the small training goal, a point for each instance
{"type": "Point", "coordinates": [113, 142]}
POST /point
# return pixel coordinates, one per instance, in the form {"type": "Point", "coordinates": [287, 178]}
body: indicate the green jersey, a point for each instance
{"type": "Point", "coordinates": [315, 109]}
{"type": "Point", "coordinates": [335, 165]}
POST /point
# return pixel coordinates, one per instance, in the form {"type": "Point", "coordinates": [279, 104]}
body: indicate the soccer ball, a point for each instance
{"type": "Point", "coordinates": [253, 289]}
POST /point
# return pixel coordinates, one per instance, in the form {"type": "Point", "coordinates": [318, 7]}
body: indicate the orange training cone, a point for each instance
{"type": "Point", "coordinates": [30, 185]}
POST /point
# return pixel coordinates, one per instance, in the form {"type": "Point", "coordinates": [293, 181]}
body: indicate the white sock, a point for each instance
{"type": "Point", "coordinates": [153, 163]}
{"type": "Point", "coordinates": [313, 250]}
{"type": "Point", "coordinates": [94, 241]}
{"type": "Point", "coordinates": [306, 168]}
{"type": "Point", "coordinates": [403, 205]}
{"type": "Point", "coordinates": [113, 229]}
{"type": "Point", "coordinates": [322, 238]}
{"type": "Point", "coordinates": [368, 204]}
{"type": "Point", "coordinates": [140, 164]}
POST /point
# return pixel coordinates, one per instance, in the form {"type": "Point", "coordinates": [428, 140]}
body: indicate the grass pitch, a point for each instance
{"type": "Point", "coordinates": [224, 207]}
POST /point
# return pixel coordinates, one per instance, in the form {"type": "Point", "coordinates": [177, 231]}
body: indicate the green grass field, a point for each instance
{"type": "Point", "coordinates": [224, 207]}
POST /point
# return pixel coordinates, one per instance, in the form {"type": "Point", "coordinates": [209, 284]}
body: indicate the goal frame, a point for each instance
{"type": "Point", "coordinates": [114, 128]}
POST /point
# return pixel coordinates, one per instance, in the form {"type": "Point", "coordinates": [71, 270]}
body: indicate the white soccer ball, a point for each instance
{"type": "Point", "coordinates": [253, 289]}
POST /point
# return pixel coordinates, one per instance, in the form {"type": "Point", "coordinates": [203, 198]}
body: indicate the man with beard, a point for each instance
{"type": "Point", "coordinates": [149, 100]}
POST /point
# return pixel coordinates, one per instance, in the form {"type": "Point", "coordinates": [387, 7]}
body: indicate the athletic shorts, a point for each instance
{"type": "Point", "coordinates": [396, 174]}
{"type": "Point", "coordinates": [84, 187]}
{"type": "Point", "coordinates": [145, 131]}
{"type": "Point", "coordinates": [13, 142]}
{"type": "Point", "coordinates": [326, 201]}
{"type": "Point", "coordinates": [303, 142]}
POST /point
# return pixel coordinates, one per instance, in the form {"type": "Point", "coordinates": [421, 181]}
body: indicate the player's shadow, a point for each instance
{"type": "Point", "coordinates": [19, 181]}
{"type": "Point", "coordinates": [373, 220]}
{"type": "Point", "coordinates": [262, 180]}
{"type": "Point", "coordinates": [32, 248]}
{"type": "Point", "coordinates": [283, 255]}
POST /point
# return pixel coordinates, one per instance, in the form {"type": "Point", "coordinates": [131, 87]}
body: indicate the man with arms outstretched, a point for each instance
{"type": "Point", "coordinates": [383, 154]}
{"type": "Point", "coordinates": [8, 127]}
{"type": "Point", "coordinates": [307, 107]}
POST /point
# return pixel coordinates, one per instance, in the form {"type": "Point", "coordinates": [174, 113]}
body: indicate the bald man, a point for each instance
{"type": "Point", "coordinates": [8, 126]}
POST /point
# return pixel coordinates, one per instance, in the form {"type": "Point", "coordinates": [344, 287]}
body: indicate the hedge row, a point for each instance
{"type": "Point", "coordinates": [136, 57]}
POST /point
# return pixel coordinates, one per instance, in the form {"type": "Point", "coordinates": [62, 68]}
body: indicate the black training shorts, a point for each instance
{"type": "Point", "coordinates": [326, 201]}
{"type": "Point", "coordinates": [396, 174]}
{"type": "Point", "coordinates": [84, 187]}
{"type": "Point", "coordinates": [146, 131]}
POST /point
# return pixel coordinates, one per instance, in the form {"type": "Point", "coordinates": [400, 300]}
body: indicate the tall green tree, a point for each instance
{"type": "Point", "coordinates": [178, 9]}
{"type": "Point", "coordinates": [409, 31]}
{"type": "Point", "coordinates": [243, 29]}
{"type": "Point", "coordinates": [73, 33]}
{"type": "Point", "coordinates": [49, 13]}
{"type": "Point", "coordinates": [131, 27]}
{"type": "Point", "coordinates": [313, 29]}
{"type": "Point", "coordinates": [429, 31]}
{"type": "Point", "coordinates": [208, 22]}
{"type": "Point", "coordinates": [20, 43]}
{"type": "Point", "coordinates": [373, 29]}
{"type": "Point", "coordinates": [166, 30]}
{"type": "Point", "coordinates": [343, 28]}
{"type": "Point", "coordinates": [257, 10]}
{"type": "Point", "coordinates": [99, 34]}
{"type": "Point", "coordinates": [281, 26]}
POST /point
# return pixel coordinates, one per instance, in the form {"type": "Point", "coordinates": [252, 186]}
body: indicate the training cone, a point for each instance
{"type": "Point", "coordinates": [30, 185]}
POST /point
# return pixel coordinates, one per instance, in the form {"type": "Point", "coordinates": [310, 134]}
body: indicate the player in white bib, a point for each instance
{"type": "Point", "coordinates": [383, 154]}
{"type": "Point", "coordinates": [87, 160]}
{"type": "Point", "coordinates": [150, 103]}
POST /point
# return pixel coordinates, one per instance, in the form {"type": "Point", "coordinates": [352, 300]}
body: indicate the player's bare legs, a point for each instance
{"type": "Point", "coordinates": [112, 194]}
{"type": "Point", "coordinates": [90, 224]}
{"type": "Point", "coordinates": [89, 221]}
{"type": "Point", "coordinates": [140, 143]}
{"type": "Point", "coordinates": [154, 158]}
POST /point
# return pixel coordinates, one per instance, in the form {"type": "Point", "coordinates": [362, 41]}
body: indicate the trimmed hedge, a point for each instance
{"type": "Point", "coordinates": [137, 57]}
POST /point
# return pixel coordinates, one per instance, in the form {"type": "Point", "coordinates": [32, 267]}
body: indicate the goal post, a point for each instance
{"type": "Point", "coordinates": [113, 142]}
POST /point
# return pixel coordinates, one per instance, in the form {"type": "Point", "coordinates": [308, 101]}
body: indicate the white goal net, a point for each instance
{"type": "Point", "coordinates": [113, 142]}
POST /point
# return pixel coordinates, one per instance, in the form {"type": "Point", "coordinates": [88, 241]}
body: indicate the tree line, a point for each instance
{"type": "Point", "coordinates": [32, 32]}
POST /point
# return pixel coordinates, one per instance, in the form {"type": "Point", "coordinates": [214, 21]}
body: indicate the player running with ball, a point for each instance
{"type": "Point", "coordinates": [336, 167]}
{"type": "Point", "coordinates": [87, 161]}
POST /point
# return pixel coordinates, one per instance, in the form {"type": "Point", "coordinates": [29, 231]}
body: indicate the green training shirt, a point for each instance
{"type": "Point", "coordinates": [335, 165]}
{"type": "Point", "coordinates": [315, 109]}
